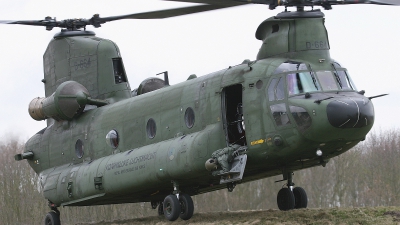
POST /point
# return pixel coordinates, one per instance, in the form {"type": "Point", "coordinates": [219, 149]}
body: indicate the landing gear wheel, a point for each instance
{"type": "Point", "coordinates": [160, 209]}
{"type": "Point", "coordinates": [172, 207]}
{"type": "Point", "coordinates": [52, 218]}
{"type": "Point", "coordinates": [285, 199]}
{"type": "Point", "coordinates": [187, 207]}
{"type": "Point", "coordinates": [300, 197]}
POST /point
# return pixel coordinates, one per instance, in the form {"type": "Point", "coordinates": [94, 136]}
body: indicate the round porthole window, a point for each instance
{"type": "Point", "coordinates": [189, 117]}
{"type": "Point", "coordinates": [151, 128]}
{"type": "Point", "coordinates": [79, 148]}
{"type": "Point", "coordinates": [112, 139]}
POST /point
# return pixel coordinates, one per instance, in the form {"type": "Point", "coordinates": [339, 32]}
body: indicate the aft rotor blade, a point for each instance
{"type": "Point", "coordinates": [348, 2]}
{"type": "Point", "coordinates": [28, 22]}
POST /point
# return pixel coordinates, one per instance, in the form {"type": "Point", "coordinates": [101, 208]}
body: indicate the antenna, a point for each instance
{"type": "Point", "coordinates": [166, 80]}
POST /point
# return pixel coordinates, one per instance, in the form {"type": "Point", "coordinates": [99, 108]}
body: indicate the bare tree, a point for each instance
{"type": "Point", "coordinates": [367, 175]}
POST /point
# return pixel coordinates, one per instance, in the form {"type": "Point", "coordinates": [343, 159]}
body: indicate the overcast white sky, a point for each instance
{"type": "Point", "coordinates": [363, 38]}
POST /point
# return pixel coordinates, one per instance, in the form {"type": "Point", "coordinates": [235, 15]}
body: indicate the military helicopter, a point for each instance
{"type": "Point", "coordinates": [293, 107]}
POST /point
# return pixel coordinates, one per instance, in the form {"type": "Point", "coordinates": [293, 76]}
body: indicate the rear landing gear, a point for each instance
{"type": "Point", "coordinates": [187, 206]}
{"type": "Point", "coordinates": [52, 217]}
{"type": "Point", "coordinates": [291, 198]}
{"type": "Point", "coordinates": [172, 208]}
{"type": "Point", "coordinates": [176, 205]}
{"type": "Point", "coordinates": [161, 209]}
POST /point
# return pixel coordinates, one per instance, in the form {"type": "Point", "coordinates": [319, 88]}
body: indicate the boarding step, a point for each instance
{"type": "Point", "coordinates": [237, 170]}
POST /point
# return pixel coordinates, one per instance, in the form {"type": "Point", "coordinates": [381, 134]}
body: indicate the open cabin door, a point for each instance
{"type": "Point", "coordinates": [235, 136]}
{"type": "Point", "coordinates": [232, 115]}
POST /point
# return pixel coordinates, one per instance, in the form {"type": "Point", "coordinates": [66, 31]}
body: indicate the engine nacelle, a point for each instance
{"type": "Point", "coordinates": [148, 85]}
{"type": "Point", "coordinates": [66, 103]}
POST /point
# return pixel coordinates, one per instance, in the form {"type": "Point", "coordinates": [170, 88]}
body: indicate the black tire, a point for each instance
{"type": "Point", "coordinates": [300, 198]}
{"type": "Point", "coordinates": [52, 218]}
{"type": "Point", "coordinates": [172, 207]}
{"type": "Point", "coordinates": [187, 207]}
{"type": "Point", "coordinates": [285, 199]}
{"type": "Point", "coordinates": [160, 209]}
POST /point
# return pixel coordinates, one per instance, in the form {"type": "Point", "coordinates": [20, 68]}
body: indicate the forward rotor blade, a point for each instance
{"type": "Point", "coordinates": [207, 5]}
{"type": "Point", "coordinates": [96, 21]}
{"type": "Point", "coordinates": [7, 21]}
{"type": "Point", "coordinates": [161, 14]}
{"type": "Point", "coordinates": [228, 3]}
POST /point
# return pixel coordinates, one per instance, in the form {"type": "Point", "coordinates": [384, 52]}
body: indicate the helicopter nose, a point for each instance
{"type": "Point", "coordinates": [350, 113]}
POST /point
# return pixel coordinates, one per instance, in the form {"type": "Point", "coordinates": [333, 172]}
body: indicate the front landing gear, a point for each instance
{"type": "Point", "coordinates": [285, 199]}
{"type": "Point", "coordinates": [300, 198]}
{"type": "Point", "coordinates": [291, 198]}
{"type": "Point", "coordinates": [52, 217]}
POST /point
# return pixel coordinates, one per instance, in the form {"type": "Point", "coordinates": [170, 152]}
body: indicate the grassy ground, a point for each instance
{"type": "Point", "coordinates": [339, 216]}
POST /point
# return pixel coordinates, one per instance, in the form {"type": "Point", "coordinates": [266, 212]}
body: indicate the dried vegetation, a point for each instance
{"type": "Point", "coordinates": [341, 193]}
{"type": "Point", "coordinates": [331, 216]}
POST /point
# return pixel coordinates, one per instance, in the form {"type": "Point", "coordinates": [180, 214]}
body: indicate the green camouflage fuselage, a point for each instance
{"type": "Point", "coordinates": [141, 168]}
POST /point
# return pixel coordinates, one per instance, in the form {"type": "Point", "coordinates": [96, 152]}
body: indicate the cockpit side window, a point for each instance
{"type": "Point", "coordinates": [279, 91]}
{"type": "Point", "coordinates": [343, 78]}
{"type": "Point", "coordinates": [271, 89]}
{"type": "Point", "coordinates": [276, 89]}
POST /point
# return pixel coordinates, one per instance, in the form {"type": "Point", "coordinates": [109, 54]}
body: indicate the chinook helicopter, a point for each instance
{"type": "Point", "coordinates": [293, 107]}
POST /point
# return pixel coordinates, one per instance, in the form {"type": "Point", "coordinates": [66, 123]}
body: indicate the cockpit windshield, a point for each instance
{"type": "Point", "coordinates": [301, 82]}
{"type": "Point", "coordinates": [303, 79]}
{"type": "Point", "coordinates": [327, 80]}
{"type": "Point", "coordinates": [336, 80]}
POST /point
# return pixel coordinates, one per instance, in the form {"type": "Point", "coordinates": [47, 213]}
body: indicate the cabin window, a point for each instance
{"type": "Point", "coordinates": [119, 72]}
{"type": "Point", "coordinates": [79, 148]}
{"type": "Point", "coordinates": [112, 139]}
{"type": "Point", "coordinates": [189, 117]}
{"type": "Point", "coordinates": [279, 114]}
{"type": "Point", "coordinates": [259, 84]}
{"type": "Point", "coordinates": [151, 128]}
